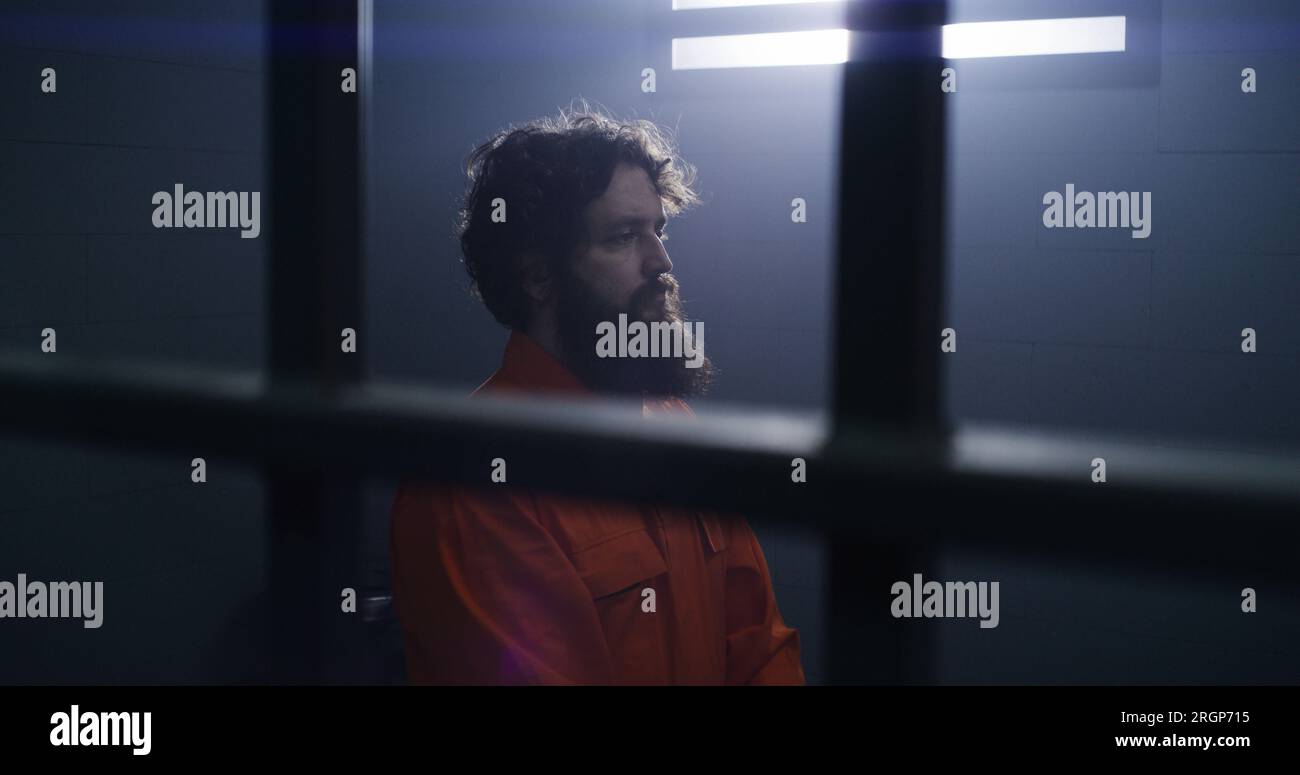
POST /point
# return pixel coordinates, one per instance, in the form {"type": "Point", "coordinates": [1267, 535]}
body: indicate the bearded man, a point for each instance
{"type": "Point", "coordinates": [562, 229]}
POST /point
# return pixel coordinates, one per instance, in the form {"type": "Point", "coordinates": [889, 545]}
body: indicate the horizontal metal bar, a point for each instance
{"type": "Point", "coordinates": [1194, 509]}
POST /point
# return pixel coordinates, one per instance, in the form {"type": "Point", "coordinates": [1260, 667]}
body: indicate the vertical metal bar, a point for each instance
{"type": "Point", "coordinates": [314, 292]}
{"type": "Point", "coordinates": [891, 223]}
{"type": "Point", "coordinates": [888, 301]}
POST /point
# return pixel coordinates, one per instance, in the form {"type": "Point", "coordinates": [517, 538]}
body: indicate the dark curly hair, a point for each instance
{"type": "Point", "coordinates": [548, 171]}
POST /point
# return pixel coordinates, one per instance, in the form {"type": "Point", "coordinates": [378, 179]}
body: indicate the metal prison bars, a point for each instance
{"type": "Point", "coordinates": [888, 483]}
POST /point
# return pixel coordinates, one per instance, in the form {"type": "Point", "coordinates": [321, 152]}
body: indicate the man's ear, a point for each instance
{"type": "Point", "coordinates": [536, 277]}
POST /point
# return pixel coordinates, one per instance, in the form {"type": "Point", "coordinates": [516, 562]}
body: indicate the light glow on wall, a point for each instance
{"type": "Point", "coordinates": [967, 40]}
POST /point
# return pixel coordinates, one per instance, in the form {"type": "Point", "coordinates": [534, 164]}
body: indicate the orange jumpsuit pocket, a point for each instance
{"type": "Point", "coordinates": [619, 563]}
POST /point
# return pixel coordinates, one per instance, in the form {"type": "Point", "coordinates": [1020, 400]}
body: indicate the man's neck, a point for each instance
{"type": "Point", "coordinates": [547, 336]}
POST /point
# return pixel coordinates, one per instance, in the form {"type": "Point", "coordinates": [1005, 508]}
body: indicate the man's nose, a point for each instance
{"type": "Point", "coordinates": [657, 261]}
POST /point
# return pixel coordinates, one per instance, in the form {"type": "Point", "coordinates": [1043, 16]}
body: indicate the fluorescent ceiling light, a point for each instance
{"type": "Point", "coordinates": [810, 47]}
{"type": "Point", "coordinates": [968, 40]}
{"type": "Point", "coordinates": [1033, 37]}
{"type": "Point", "coordinates": [688, 5]}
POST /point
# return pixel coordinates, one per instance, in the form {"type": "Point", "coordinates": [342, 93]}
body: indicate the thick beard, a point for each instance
{"type": "Point", "coordinates": [580, 312]}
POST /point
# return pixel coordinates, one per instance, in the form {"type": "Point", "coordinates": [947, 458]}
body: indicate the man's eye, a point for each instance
{"type": "Point", "coordinates": [629, 236]}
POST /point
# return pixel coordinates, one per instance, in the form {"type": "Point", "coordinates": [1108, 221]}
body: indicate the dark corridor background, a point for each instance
{"type": "Point", "coordinates": [1081, 330]}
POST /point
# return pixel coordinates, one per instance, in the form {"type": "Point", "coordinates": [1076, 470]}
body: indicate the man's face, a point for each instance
{"type": "Point", "coordinates": [624, 256]}
{"type": "Point", "coordinates": [623, 268]}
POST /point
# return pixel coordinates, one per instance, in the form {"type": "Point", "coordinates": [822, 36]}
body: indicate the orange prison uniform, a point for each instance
{"type": "Point", "coordinates": [512, 587]}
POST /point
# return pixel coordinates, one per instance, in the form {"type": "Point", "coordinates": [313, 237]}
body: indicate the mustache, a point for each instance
{"type": "Point", "coordinates": [664, 282]}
